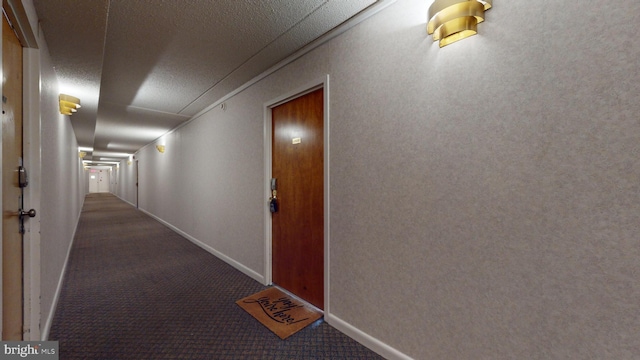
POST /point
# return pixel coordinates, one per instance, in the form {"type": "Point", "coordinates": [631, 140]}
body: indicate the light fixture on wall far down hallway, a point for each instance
{"type": "Point", "coordinates": [454, 20]}
{"type": "Point", "coordinates": [68, 104]}
{"type": "Point", "coordinates": [160, 148]}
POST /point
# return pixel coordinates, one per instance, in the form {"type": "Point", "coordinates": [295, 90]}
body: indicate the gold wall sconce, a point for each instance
{"type": "Point", "coordinates": [160, 148]}
{"type": "Point", "coordinates": [82, 154]}
{"type": "Point", "coordinates": [454, 20]}
{"type": "Point", "coordinates": [68, 104]}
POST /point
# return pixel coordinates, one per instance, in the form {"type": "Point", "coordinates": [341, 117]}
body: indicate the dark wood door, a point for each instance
{"type": "Point", "coordinates": [12, 294]}
{"type": "Point", "coordinates": [298, 226]}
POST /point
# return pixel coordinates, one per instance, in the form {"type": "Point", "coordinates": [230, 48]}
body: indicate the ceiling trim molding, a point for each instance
{"type": "Point", "coordinates": [19, 19]}
{"type": "Point", "coordinates": [344, 27]}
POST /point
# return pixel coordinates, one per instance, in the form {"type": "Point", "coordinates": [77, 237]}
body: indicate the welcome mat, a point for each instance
{"type": "Point", "coordinates": [279, 312]}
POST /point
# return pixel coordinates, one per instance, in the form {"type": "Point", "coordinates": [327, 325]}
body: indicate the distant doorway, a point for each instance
{"type": "Point", "coordinates": [93, 181]}
{"type": "Point", "coordinates": [99, 181]}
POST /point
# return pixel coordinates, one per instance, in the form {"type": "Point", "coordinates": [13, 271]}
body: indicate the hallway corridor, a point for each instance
{"type": "Point", "coordinates": [134, 289]}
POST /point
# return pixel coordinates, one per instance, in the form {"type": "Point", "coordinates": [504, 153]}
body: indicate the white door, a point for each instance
{"type": "Point", "coordinates": [93, 181]}
{"type": "Point", "coordinates": [103, 181]}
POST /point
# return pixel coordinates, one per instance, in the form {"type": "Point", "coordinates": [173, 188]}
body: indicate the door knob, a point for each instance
{"type": "Point", "coordinates": [30, 213]}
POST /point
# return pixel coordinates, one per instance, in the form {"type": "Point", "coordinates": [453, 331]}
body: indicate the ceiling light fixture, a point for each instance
{"type": "Point", "coordinates": [68, 104]}
{"type": "Point", "coordinates": [454, 20]}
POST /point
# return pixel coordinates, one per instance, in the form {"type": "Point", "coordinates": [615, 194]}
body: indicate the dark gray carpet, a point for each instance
{"type": "Point", "coordinates": [134, 289]}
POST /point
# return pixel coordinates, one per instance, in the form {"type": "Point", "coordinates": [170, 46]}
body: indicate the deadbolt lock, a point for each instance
{"type": "Point", "coordinates": [30, 213]}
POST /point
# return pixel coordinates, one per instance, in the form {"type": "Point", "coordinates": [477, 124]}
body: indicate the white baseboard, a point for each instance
{"type": "Point", "coordinates": [128, 202]}
{"type": "Point", "coordinates": [240, 267]}
{"type": "Point", "coordinates": [365, 339]}
{"type": "Point", "coordinates": [44, 332]}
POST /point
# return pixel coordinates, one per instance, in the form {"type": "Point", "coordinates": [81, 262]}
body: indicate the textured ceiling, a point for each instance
{"type": "Point", "coordinates": [143, 67]}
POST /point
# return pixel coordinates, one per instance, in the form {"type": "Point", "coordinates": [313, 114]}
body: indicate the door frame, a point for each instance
{"type": "Point", "coordinates": [33, 162]}
{"type": "Point", "coordinates": [323, 83]}
{"type": "Point", "coordinates": [137, 179]}
{"type": "Point", "coordinates": [17, 14]}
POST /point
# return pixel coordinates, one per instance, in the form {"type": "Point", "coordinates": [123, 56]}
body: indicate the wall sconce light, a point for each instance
{"type": "Point", "coordinates": [160, 148]}
{"type": "Point", "coordinates": [454, 20]}
{"type": "Point", "coordinates": [128, 162]}
{"type": "Point", "coordinates": [68, 104]}
{"type": "Point", "coordinates": [82, 154]}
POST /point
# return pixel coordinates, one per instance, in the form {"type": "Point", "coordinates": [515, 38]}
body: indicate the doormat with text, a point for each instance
{"type": "Point", "coordinates": [279, 312]}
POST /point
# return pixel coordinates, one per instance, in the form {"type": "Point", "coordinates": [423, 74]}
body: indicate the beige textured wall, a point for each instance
{"type": "Point", "coordinates": [63, 186]}
{"type": "Point", "coordinates": [208, 183]}
{"type": "Point", "coordinates": [484, 197]}
{"type": "Point", "coordinates": [125, 187]}
{"type": "Point", "coordinates": [488, 191]}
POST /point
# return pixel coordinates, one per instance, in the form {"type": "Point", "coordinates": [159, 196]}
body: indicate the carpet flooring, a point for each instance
{"type": "Point", "coordinates": [134, 289]}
